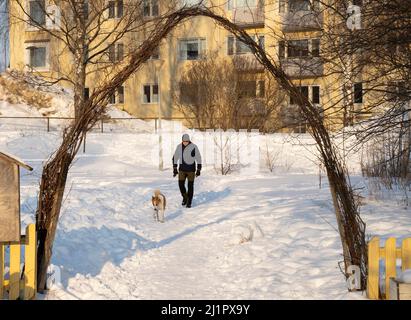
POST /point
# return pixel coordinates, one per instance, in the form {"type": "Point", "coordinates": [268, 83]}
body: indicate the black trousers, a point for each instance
{"type": "Point", "coordinates": [190, 176]}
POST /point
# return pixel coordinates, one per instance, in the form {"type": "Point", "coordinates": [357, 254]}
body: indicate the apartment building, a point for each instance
{"type": "Point", "coordinates": [289, 30]}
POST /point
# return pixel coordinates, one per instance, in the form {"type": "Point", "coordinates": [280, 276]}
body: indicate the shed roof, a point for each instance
{"type": "Point", "coordinates": [15, 160]}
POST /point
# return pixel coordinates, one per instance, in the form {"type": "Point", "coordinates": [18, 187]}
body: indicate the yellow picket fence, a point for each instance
{"type": "Point", "coordinates": [20, 284]}
{"type": "Point", "coordinates": [390, 253]}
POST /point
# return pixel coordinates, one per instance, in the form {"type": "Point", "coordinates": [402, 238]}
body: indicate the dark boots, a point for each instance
{"type": "Point", "coordinates": [190, 193]}
{"type": "Point", "coordinates": [187, 194]}
{"type": "Point", "coordinates": [185, 198]}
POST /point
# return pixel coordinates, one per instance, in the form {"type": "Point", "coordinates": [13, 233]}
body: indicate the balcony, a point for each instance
{"type": "Point", "coordinates": [247, 63]}
{"type": "Point", "coordinates": [305, 67]}
{"type": "Point", "coordinates": [302, 20]}
{"type": "Point", "coordinates": [248, 17]}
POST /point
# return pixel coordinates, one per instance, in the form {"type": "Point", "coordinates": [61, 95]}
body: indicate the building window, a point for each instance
{"type": "Point", "coordinates": [115, 9]}
{"type": "Point", "coordinates": [116, 52]}
{"type": "Point", "coordinates": [299, 5]}
{"type": "Point", "coordinates": [37, 55]}
{"type": "Point", "coordinates": [156, 54]}
{"type": "Point", "coordinates": [358, 93]}
{"type": "Point", "coordinates": [150, 93]}
{"type": "Point", "coordinates": [150, 8]}
{"type": "Point", "coordinates": [247, 89]}
{"type": "Point", "coordinates": [37, 9]}
{"type": "Point", "coordinates": [397, 91]}
{"type": "Point", "coordinates": [315, 47]}
{"type": "Point", "coordinates": [189, 3]}
{"type": "Point", "coordinates": [86, 94]}
{"type": "Point", "coordinates": [192, 49]}
{"type": "Point", "coordinates": [232, 4]}
{"type": "Point", "coordinates": [281, 49]}
{"type": "Point", "coordinates": [310, 92]}
{"type": "Point", "coordinates": [299, 48]}
{"type": "Point", "coordinates": [118, 96]}
{"type": "Point", "coordinates": [251, 89]}
{"type": "Point", "coordinates": [234, 46]}
{"type": "Point", "coordinates": [261, 89]}
{"type": "Point", "coordinates": [315, 95]}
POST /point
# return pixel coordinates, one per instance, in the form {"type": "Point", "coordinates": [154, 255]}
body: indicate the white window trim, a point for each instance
{"type": "Point", "coordinates": [362, 92]}
{"type": "Point", "coordinates": [310, 94]}
{"type": "Point", "coordinates": [29, 26]}
{"type": "Point", "coordinates": [151, 93]}
{"type": "Point", "coordinates": [235, 6]}
{"type": "Point", "coordinates": [124, 96]}
{"type": "Point", "coordinates": [300, 39]}
{"type": "Point", "coordinates": [182, 3]}
{"type": "Point", "coordinates": [150, 16]}
{"type": "Point", "coordinates": [106, 12]}
{"type": "Point", "coordinates": [116, 102]}
{"type": "Point", "coordinates": [256, 39]}
{"type": "Point", "coordinates": [287, 5]}
{"type": "Point", "coordinates": [202, 52]}
{"type": "Point", "coordinates": [46, 68]}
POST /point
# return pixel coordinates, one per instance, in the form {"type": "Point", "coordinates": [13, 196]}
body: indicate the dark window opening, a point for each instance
{"type": "Point", "coordinates": [316, 95]}
{"type": "Point", "coordinates": [297, 48]}
{"type": "Point", "coordinates": [86, 94]}
{"type": "Point", "coordinates": [358, 93]}
{"type": "Point", "coordinates": [37, 12]}
{"type": "Point", "coordinates": [120, 94]}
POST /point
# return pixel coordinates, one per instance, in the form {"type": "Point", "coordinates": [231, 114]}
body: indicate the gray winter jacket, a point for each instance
{"type": "Point", "coordinates": [187, 156]}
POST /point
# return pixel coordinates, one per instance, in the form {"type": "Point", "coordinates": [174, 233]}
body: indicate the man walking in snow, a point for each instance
{"type": "Point", "coordinates": [185, 158]}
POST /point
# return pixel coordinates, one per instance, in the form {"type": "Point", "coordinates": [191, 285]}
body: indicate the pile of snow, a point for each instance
{"type": "Point", "coordinates": [26, 95]}
{"type": "Point", "coordinates": [18, 88]}
{"type": "Point", "coordinates": [243, 233]}
{"type": "Point", "coordinates": [249, 235]}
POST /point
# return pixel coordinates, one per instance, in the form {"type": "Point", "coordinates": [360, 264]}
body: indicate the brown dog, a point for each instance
{"type": "Point", "coordinates": [159, 204]}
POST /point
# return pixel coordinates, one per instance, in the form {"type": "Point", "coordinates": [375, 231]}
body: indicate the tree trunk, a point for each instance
{"type": "Point", "coordinates": [50, 201]}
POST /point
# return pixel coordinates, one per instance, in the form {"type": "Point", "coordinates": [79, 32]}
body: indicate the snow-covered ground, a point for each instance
{"type": "Point", "coordinates": [252, 234]}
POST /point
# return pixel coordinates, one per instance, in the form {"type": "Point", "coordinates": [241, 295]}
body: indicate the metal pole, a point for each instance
{"type": "Point", "coordinates": [84, 145]}
{"type": "Point", "coordinates": [102, 125]}
{"type": "Point", "coordinates": [48, 124]}
{"type": "Point", "coordinates": [160, 135]}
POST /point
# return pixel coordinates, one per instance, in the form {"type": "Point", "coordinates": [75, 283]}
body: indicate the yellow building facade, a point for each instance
{"type": "Point", "coordinates": [289, 30]}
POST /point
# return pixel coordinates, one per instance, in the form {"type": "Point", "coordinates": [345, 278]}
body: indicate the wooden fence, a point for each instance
{"type": "Point", "coordinates": [390, 253]}
{"type": "Point", "coordinates": [20, 280]}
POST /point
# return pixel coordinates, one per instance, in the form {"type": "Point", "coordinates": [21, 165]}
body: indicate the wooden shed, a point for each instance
{"type": "Point", "coordinates": [10, 197]}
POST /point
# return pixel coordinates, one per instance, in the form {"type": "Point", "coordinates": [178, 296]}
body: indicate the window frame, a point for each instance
{"type": "Point", "coordinates": [115, 9]}
{"type": "Point", "coordinates": [113, 52]}
{"type": "Point", "coordinates": [284, 45]}
{"type": "Point", "coordinates": [29, 25]}
{"type": "Point", "coordinates": [355, 98]}
{"type": "Point", "coordinates": [114, 98]}
{"type": "Point", "coordinates": [310, 94]}
{"type": "Point", "coordinates": [259, 37]}
{"type": "Point", "coordinates": [202, 49]}
{"type": "Point", "coordinates": [40, 44]}
{"type": "Point", "coordinates": [151, 85]}
{"type": "Point", "coordinates": [151, 8]}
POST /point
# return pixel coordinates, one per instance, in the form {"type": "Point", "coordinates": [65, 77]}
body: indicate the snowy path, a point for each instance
{"type": "Point", "coordinates": [117, 251]}
{"type": "Point", "coordinates": [109, 247]}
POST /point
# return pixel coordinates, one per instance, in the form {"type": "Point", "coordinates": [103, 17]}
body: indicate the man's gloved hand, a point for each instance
{"type": "Point", "coordinates": [175, 172]}
{"type": "Point", "coordinates": [198, 173]}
